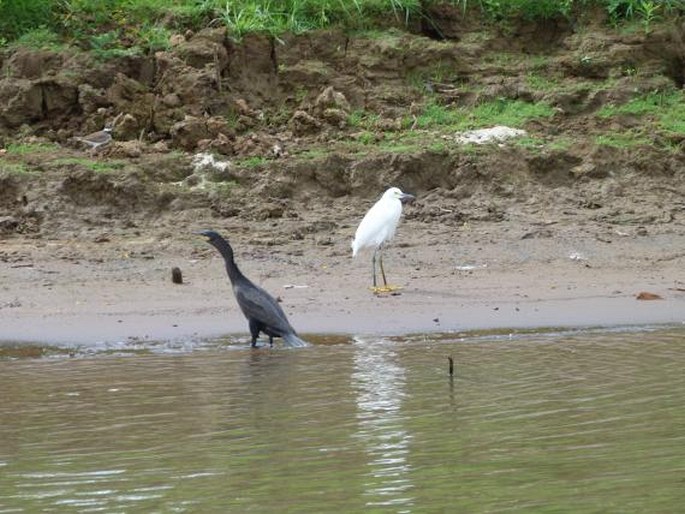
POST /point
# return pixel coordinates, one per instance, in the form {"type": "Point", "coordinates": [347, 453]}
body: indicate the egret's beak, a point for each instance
{"type": "Point", "coordinates": [407, 198]}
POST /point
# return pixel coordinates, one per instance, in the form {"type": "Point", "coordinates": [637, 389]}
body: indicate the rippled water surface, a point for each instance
{"type": "Point", "coordinates": [571, 422]}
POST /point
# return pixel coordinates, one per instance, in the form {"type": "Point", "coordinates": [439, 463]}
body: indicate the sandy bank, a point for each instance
{"type": "Point", "coordinates": [485, 276]}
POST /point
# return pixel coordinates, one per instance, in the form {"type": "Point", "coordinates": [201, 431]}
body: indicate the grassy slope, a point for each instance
{"type": "Point", "coordinates": [111, 28]}
{"type": "Point", "coordinates": [144, 23]}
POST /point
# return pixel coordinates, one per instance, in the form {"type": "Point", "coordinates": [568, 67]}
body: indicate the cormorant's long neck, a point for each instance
{"type": "Point", "coordinates": [227, 253]}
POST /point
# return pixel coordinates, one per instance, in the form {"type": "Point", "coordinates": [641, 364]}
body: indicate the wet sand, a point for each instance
{"type": "Point", "coordinates": [484, 276]}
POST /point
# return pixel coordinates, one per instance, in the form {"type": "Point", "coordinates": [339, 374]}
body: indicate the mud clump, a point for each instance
{"type": "Point", "coordinates": [10, 190]}
{"type": "Point", "coordinates": [86, 188]}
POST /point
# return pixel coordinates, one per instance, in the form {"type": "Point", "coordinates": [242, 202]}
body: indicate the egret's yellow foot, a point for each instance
{"type": "Point", "coordinates": [385, 289]}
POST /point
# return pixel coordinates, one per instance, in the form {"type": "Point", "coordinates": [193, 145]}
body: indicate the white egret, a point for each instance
{"type": "Point", "coordinates": [378, 227]}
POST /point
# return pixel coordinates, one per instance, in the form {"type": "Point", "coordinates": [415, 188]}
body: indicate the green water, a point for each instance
{"type": "Point", "coordinates": [574, 422]}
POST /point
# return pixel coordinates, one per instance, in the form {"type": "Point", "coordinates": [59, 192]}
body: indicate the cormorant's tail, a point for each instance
{"type": "Point", "coordinates": [294, 341]}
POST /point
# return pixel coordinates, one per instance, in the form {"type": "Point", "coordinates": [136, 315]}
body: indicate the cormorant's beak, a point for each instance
{"type": "Point", "coordinates": [407, 198]}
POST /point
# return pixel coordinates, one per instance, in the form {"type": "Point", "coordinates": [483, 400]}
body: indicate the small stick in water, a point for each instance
{"type": "Point", "coordinates": [451, 367]}
{"type": "Point", "coordinates": [176, 275]}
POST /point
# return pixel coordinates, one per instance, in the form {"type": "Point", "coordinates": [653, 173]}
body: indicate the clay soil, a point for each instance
{"type": "Point", "coordinates": [502, 236]}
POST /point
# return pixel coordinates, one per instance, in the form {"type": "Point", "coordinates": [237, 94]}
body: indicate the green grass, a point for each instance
{"type": "Point", "coordinates": [403, 142]}
{"type": "Point", "coordinates": [529, 143]}
{"type": "Point", "coordinates": [438, 147]}
{"type": "Point", "coordinates": [437, 115]}
{"type": "Point", "coordinates": [144, 24]}
{"type": "Point", "coordinates": [366, 137]}
{"type": "Point", "coordinates": [625, 140]}
{"type": "Point", "coordinates": [41, 38]}
{"type": "Point", "coordinates": [30, 148]}
{"type": "Point", "coordinates": [503, 111]}
{"type": "Point", "coordinates": [542, 83]}
{"type": "Point", "coordinates": [645, 11]}
{"type": "Point", "coordinates": [661, 112]}
{"type": "Point", "coordinates": [15, 168]}
{"type": "Point", "coordinates": [107, 46]}
{"type": "Point", "coordinates": [537, 144]}
{"type": "Point", "coordinates": [560, 144]}
{"type": "Point", "coordinates": [363, 119]}
{"type": "Point", "coordinates": [397, 147]}
{"type": "Point", "coordinates": [252, 162]}
{"type": "Point", "coordinates": [312, 154]}
{"type": "Point", "coordinates": [441, 73]}
{"type": "Point", "coordinates": [513, 113]}
{"type": "Point", "coordinates": [673, 120]}
{"type": "Point", "coordinates": [96, 166]}
{"type": "Point", "coordinates": [665, 108]}
{"type": "Point", "coordinates": [649, 103]}
{"type": "Point", "coordinates": [368, 143]}
{"type": "Point", "coordinates": [19, 17]}
{"type": "Point", "coordinates": [504, 60]}
{"type": "Point", "coordinates": [531, 9]}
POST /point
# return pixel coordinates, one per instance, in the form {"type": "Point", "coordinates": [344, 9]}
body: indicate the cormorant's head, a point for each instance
{"type": "Point", "coordinates": [218, 242]}
{"type": "Point", "coordinates": [210, 235]}
{"type": "Point", "coordinates": [215, 239]}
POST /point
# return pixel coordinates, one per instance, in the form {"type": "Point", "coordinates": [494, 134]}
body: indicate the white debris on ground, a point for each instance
{"type": "Point", "coordinates": [202, 161]}
{"type": "Point", "coordinates": [470, 267]}
{"type": "Point", "coordinates": [488, 135]}
{"type": "Point", "coordinates": [577, 256]}
{"type": "Point", "coordinates": [204, 164]}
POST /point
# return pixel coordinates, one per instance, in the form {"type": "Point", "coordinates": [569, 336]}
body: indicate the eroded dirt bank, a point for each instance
{"type": "Point", "coordinates": [558, 230]}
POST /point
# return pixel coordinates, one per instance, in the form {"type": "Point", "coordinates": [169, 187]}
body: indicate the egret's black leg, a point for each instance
{"type": "Point", "coordinates": [373, 265]}
{"type": "Point", "coordinates": [380, 261]}
{"type": "Point", "coordinates": [385, 288]}
{"type": "Point", "coordinates": [271, 341]}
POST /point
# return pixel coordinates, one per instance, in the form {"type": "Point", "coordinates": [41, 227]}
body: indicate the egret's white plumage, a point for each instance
{"type": "Point", "coordinates": [379, 223]}
{"type": "Point", "coordinates": [378, 227]}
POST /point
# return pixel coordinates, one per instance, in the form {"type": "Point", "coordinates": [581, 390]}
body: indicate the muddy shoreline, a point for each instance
{"type": "Point", "coordinates": [486, 276]}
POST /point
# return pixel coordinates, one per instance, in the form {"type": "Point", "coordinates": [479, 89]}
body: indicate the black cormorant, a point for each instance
{"type": "Point", "coordinates": [262, 311]}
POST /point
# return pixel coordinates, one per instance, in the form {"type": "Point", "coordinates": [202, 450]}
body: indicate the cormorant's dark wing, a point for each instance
{"type": "Point", "coordinates": [257, 304]}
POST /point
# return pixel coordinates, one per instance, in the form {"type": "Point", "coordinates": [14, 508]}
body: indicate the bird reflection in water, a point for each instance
{"type": "Point", "coordinates": [380, 383]}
